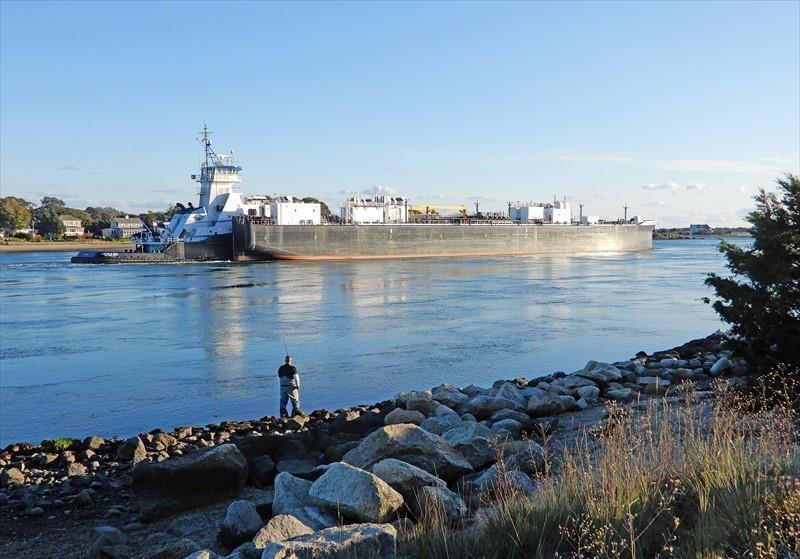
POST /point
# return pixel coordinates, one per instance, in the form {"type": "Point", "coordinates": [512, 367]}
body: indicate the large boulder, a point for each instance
{"type": "Point", "coordinates": [241, 523]}
{"type": "Point", "coordinates": [190, 481]}
{"type": "Point", "coordinates": [602, 373]}
{"type": "Point", "coordinates": [546, 404]}
{"type": "Point", "coordinates": [510, 391]}
{"type": "Point", "coordinates": [418, 400]}
{"type": "Point", "coordinates": [356, 494]}
{"type": "Point", "coordinates": [367, 541]}
{"type": "Point", "coordinates": [473, 441]}
{"type": "Point", "coordinates": [573, 382]}
{"type": "Point", "coordinates": [405, 478]}
{"type": "Point", "coordinates": [132, 450]}
{"type": "Point", "coordinates": [440, 424]}
{"type": "Point", "coordinates": [441, 500]}
{"type": "Point", "coordinates": [399, 415]}
{"type": "Point", "coordinates": [413, 445]}
{"type": "Point", "coordinates": [292, 497]}
{"type": "Point", "coordinates": [482, 407]}
{"type": "Point", "coordinates": [280, 528]}
{"type": "Point", "coordinates": [449, 395]}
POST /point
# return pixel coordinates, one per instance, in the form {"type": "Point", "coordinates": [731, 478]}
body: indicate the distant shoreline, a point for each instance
{"type": "Point", "coordinates": [61, 246]}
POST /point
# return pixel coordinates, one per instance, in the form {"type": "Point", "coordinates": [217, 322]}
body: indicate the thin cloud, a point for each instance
{"type": "Point", "coordinates": [601, 195]}
{"type": "Point", "coordinates": [585, 157]}
{"type": "Point", "coordinates": [378, 190]}
{"type": "Point", "coordinates": [713, 166]}
{"type": "Point", "coordinates": [675, 188]}
{"type": "Point", "coordinates": [68, 168]}
{"type": "Point", "coordinates": [656, 204]}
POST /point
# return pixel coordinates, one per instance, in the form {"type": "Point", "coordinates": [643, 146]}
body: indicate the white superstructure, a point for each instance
{"type": "Point", "coordinates": [377, 209]}
{"type": "Point", "coordinates": [291, 211]}
{"type": "Point", "coordinates": [557, 211]}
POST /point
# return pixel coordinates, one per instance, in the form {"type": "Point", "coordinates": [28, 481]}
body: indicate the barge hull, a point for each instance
{"type": "Point", "coordinates": [308, 242]}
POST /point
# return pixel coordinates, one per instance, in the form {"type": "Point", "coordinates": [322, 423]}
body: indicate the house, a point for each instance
{"type": "Point", "coordinates": [73, 227]}
{"type": "Point", "coordinates": [700, 229]}
{"type": "Point", "coordinates": [123, 228]}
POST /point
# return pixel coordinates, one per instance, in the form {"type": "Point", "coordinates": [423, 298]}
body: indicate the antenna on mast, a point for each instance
{"type": "Point", "coordinates": [206, 141]}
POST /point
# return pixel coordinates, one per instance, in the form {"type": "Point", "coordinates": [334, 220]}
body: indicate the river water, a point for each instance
{"type": "Point", "coordinates": [117, 350]}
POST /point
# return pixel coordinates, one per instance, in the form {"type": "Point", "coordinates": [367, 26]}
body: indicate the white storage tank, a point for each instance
{"type": "Point", "coordinates": [590, 220]}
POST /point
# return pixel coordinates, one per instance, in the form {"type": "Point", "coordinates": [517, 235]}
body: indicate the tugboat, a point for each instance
{"type": "Point", "coordinates": [198, 234]}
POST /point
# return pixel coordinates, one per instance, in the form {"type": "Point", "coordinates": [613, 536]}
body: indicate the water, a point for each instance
{"type": "Point", "coordinates": [116, 350]}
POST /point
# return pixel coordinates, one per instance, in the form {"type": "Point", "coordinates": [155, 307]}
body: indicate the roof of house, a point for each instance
{"type": "Point", "coordinates": [67, 217]}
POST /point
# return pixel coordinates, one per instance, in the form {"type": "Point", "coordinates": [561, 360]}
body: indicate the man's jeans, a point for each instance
{"type": "Point", "coordinates": [289, 393]}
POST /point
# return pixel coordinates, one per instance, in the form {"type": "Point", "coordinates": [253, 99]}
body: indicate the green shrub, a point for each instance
{"type": "Point", "coordinates": [60, 445]}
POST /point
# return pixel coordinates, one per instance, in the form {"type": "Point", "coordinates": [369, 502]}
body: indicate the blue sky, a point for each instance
{"type": "Point", "coordinates": [680, 109]}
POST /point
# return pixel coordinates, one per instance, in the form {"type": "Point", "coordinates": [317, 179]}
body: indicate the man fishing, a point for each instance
{"type": "Point", "coordinates": [290, 387]}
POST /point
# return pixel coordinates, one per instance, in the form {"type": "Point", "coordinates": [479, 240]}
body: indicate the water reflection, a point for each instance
{"type": "Point", "coordinates": [138, 347]}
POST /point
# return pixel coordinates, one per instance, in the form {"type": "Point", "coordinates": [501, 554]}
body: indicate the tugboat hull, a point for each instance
{"type": "Point", "coordinates": [220, 247]}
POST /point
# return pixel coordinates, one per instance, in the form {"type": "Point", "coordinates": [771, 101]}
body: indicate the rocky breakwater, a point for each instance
{"type": "Point", "coordinates": [334, 484]}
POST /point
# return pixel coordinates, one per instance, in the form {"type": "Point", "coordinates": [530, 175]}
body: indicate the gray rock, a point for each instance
{"type": "Point", "coordinates": [600, 372]}
{"type": "Point", "coordinates": [620, 394]}
{"type": "Point", "coordinates": [186, 524]}
{"type": "Point", "coordinates": [132, 450]}
{"type": "Point", "coordinates": [411, 444]}
{"type": "Point", "coordinates": [721, 365]}
{"type": "Point", "coordinates": [83, 499]}
{"type": "Point", "coordinates": [511, 426]}
{"type": "Point", "coordinates": [573, 382]}
{"type": "Point", "coordinates": [418, 400]}
{"type": "Point", "coordinates": [174, 485]}
{"type": "Point", "coordinates": [12, 476]}
{"type": "Point", "coordinates": [297, 467]}
{"type": "Point", "coordinates": [263, 470]}
{"type": "Point", "coordinates": [653, 385]}
{"type": "Point", "coordinates": [280, 528]}
{"type": "Point", "coordinates": [204, 554]}
{"type": "Point", "coordinates": [443, 500]}
{"type": "Point", "coordinates": [510, 391]}
{"type": "Point", "coordinates": [405, 478]}
{"type": "Point", "coordinates": [356, 493]}
{"type": "Point", "coordinates": [588, 392]}
{"type": "Point", "coordinates": [482, 407]}
{"type": "Point", "coordinates": [500, 415]}
{"type": "Point", "coordinates": [449, 395]}
{"type": "Point", "coordinates": [105, 537]}
{"type": "Point", "coordinates": [473, 441]}
{"type": "Point", "coordinates": [546, 404]}
{"type": "Point", "coordinates": [291, 493]}
{"type": "Point", "coordinates": [367, 541]}
{"type": "Point", "coordinates": [582, 404]}
{"type": "Point", "coordinates": [291, 497]}
{"type": "Point", "coordinates": [241, 523]}
{"type": "Point", "coordinates": [510, 480]}
{"type": "Point", "coordinates": [445, 411]}
{"type": "Point", "coordinates": [399, 415]}
{"type": "Point", "coordinates": [174, 550]}
{"type": "Point", "coordinates": [246, 551]}
{"type": "Point", "coordinates": [439, 425]}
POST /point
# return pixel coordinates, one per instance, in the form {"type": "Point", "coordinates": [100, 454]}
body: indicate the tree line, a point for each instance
{"type": "Point", "coordinates": [17, 213]}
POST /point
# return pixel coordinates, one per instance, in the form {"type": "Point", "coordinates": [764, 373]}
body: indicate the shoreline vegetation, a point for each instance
{"type": "Point", "coordinates": [656, 456]}
{"type": "Point", "coordinates": [19, 245]}
{"type": "Point", "coordinates": [685, 233]}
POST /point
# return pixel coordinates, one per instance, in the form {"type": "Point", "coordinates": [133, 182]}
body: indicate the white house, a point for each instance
{"type": "Point", "coordinates": [73, 227]}
{"type": "Point", "coordinates": [123, 228]}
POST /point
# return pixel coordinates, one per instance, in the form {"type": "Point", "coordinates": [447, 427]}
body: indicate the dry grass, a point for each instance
{"type": "Point", "coordinates": [681, 478]}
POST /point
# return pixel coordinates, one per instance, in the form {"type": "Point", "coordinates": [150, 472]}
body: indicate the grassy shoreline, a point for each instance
{"type": "Point", "coordinates": [15, 245]}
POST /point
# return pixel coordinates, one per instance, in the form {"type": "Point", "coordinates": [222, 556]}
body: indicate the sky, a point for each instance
{"type": "Point", "coordinates": [681, 110]}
